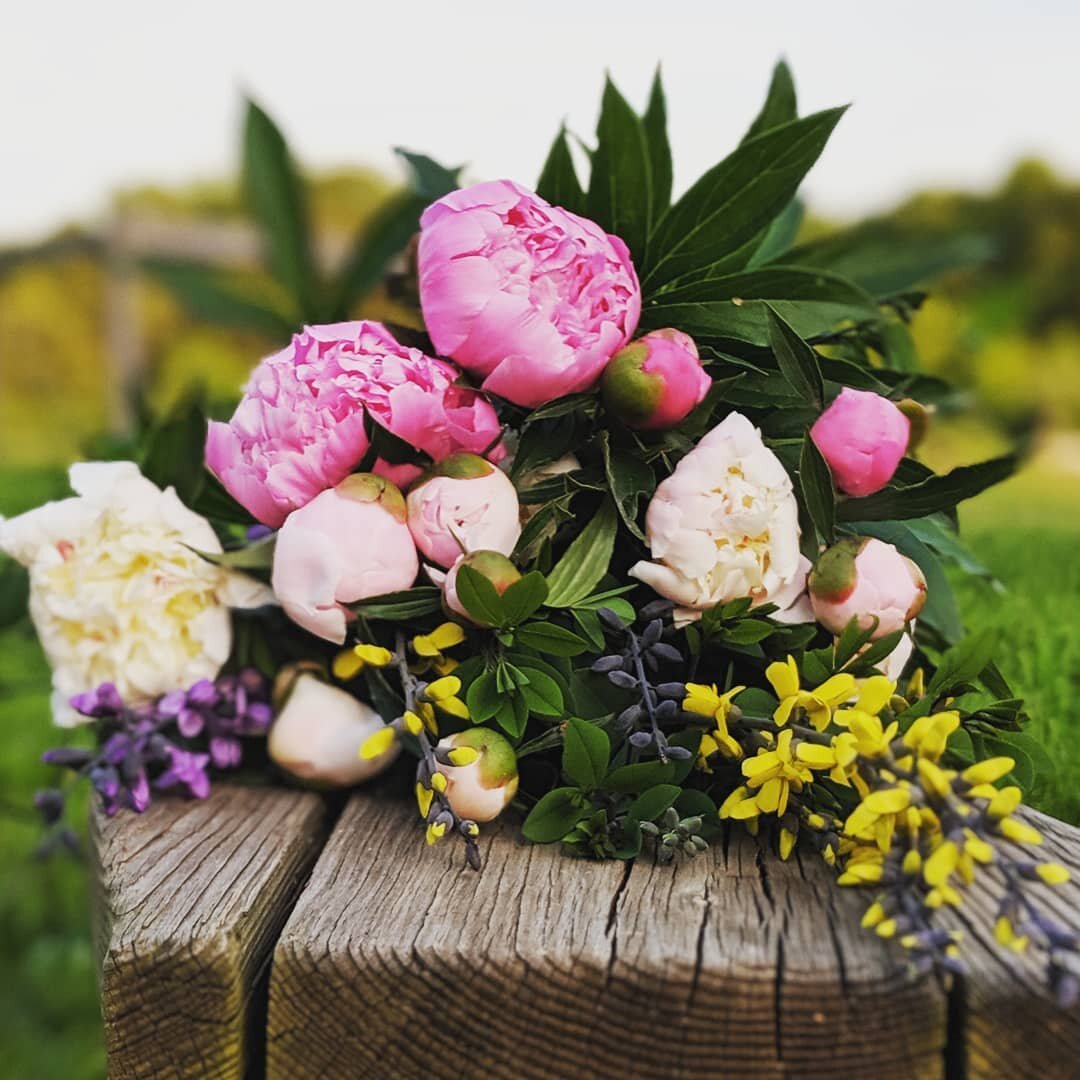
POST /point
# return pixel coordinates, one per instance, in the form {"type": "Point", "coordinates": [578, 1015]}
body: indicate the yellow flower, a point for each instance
{"type": "Point", "coordinates": [817, 704]}
{"type": "Point", "coordinates": [424, 795]}
{"type": "Point", "coordinates": [378, 743]}
{"type": "Point", "coordinates": [444, 693]}
{"type": "Point", "coordinates": [706, 701]}
{"type": "Point", "coordinates": [350, 662]}
{"type": "Point", "coordinates": [929, 735]}
{"type": "Point", "coordinates": [432, 647]}
{"type": "Point", "coordinates": [774, 774]}
{"type": "Point", "coordinates": [740, 805]}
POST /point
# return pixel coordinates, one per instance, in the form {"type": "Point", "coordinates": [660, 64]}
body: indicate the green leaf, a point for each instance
{"type": "Point", "coordinates": [523, 598]}
{"type": "Point", "coordinates": [631, 479]}
{"type": "Point", "coordinates": [551, 639]}
{"type": "Point", "coordinates": [736, 199]}
{"type": "Point", "coordinates": [632, 779]}
{"type": "Point", "coordinates": [214, 502]}
{"type": "Point", "coordinates": [656, 139]}
{"type": "Point", "coordinates": [553, 816]}
{"type": "Point", "coordinates": [401, 606]}
{"type": "Point", "coordinates": [14, 591]}
{"type": "Point", "coordinates": [734, 306]}
{"type": "Point", "coordinates": [483, 697]}
{"type": "Point", "coordinates": [780, 107]}
{"type": "Point", "coordinates": [542, 693]}
{"type": "Point", "coordinates": [276, 199]}
{"type": "Point", "coordinates": [479, 597]}
{"type": "Point", "coordinates": [586, 751]}
{"type": "Point", "coordinates": [585, 561]}
{"type": "Point", "coordinates": [620, 188]}
{"type": "Point", "coordinates": [558, 181]}
{"type": "Point", "coordinates": [258, 555]}
{"type": "Point", "coordinates": [430, 180]}
{"type": "Point", "coordinates": [695, 803]}
{"type": "Point", "coordinates": [513, 715]}
{"type": "Point", "coordinates": [933, 494]}
{"type": "Point", "coordinates": [797, 361]}
{"type": "Point", "coordinates": [650, 804]}
{"type": "Point", "coordinates": [964, 662]}
{"type": "Point", "coordinates": [387, 233]}
{"type": "Point", "coordinates": [779, 236]}
{"type": "Point", "coordinates": [815, 480]}
{"type": "Point", "coordinates": [217, 297]}
{"type": "Point", "coordinates": [172, 455]}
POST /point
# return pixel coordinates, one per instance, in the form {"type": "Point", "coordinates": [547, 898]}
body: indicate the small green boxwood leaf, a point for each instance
{"type": "Point", "coordinates": [586, 750]}
{"type": "Point", "coordinates": [631, 779]}
{"type": "Point", "coordinates": [553, 816]}
{"type": "Point", "coordinates": [650, 804]}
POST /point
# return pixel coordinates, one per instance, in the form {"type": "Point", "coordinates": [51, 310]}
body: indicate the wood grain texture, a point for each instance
{"type": "Point", "coordinates": [190, 899]}
{"type": "Point", "coordinates": [397, 962]}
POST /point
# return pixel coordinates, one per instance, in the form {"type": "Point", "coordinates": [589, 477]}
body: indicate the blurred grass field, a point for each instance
{"type": "Point", "coordinates": [1026, 532]}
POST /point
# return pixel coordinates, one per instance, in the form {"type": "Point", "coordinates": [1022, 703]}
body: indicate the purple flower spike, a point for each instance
{"type": "Point", "coordinates": [186, 770]}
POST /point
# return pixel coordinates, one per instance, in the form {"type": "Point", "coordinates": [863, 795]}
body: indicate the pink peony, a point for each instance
{"type": "Point", "coordinates": [300, 427]}
{"type": "Point", "coordinates": [862, 436]}
{"type": "Point", "coordinates": [347, 544]}
{"type": "Point", "coordinates": [465, 505]}
{"type": "Point", "coordinates": [866, 579]}
{"type": "Point", "coordinates": [655, 381]}
{"type": "Point", "coordinates": [531, 298]}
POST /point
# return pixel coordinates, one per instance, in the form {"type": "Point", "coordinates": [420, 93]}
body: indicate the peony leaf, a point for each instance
{"type": "Point", "coordinates": [558, 181]}
{"type": "Point", "coordinates": [735, 199]}
{"type": "Point", "coordinates": [550, 639]}
{"type": "Point", "coordinates": [620, 188]}
{"type": "Point", "coordinates": [815, 480]}
{"type": "Point", "coordinates": [654, 121]}
{"type": "Point", "coordinates": [258, 555]}
{"type": "Point", "coordinates": [781, 105]}
{"type": "Point", "coordinates": [734, 306]}
{"type": "Point", "coordinates": [631, 478]}
{"type": "Point", "coordinates": [797, 361]}
{"type": "Point", "coordinates": [930, 495]}
{"type": "Point", "coordinates": [401, 606]}
{"type": "Point", "coordinates": [585, 561]}
{"type": "Point", "coordinates": [430, 180]}
{"type": "Point", "coordinates": [276, 198]}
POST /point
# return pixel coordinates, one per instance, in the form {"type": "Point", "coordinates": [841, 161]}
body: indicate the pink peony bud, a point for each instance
{"type": "Point", "coordinates": [865, 578]}
{"type": "Point", "coordinates": [862, 436]}
{"type": "Point", "coordinates": [465, 504]}
{"type": "Point", "coordinates": [655, 381]}
{"type": "Point", "coordinates": [527, 296]}
{"type": "Point", "coordinates": [348, 543]}
{"type": "Point", "coordinates": [481, 790]}
{"type": "Point", "coordinates": [300, 426]}
{"type": "Point", "coordinates": [493, 565]}
{"type": "Point", "coordinates": [318, 732]}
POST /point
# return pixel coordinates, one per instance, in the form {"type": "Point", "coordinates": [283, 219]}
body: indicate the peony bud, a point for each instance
{"type": "Point", "coordinates": [862, 436]}
{"type": "Point", "coordinates": [347, 544]}
{"type": "Point", "coordinates": [465, 504]}
{"type": "Point", "coordinates": [318, 733]}
{"type": "Point", "coordinates": [655, 381]}
{"type": "Point", "coordinates": [493, 565]}
{"type": "Point", "coordinates": [864, 578]}
{"type": "Point", "coordinates": [481, 789]}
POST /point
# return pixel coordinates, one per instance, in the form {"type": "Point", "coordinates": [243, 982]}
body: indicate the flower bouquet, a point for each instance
{"type": "Point", "coordinates": [618, 523]}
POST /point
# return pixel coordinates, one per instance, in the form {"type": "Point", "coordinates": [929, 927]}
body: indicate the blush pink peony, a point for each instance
{"type": "Point", "coordinates": [527, 296]}
{"type": "Point", "coordinates": [349, 543]}
{"type": "Point", "coordinates": [862, 436]}
{"type": "Point", "coordinates": [300, 427]}
{"type": "Point", "coordinates": [866, 579]}
{"type": "Point", "coordinates": [656, 381]}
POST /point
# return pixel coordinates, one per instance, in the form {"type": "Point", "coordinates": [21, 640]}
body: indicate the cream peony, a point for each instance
{"type": "Point", "coordinates": [725, 525]}
{"type": "Point", "coordinates": [116, 593]}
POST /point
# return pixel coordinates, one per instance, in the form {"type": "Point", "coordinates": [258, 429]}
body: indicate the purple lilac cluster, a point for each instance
{"type": "Point", "coordinates": [170, 743]}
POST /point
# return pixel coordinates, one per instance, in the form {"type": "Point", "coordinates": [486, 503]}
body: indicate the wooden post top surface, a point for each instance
{"type": "Point", "coordinates": [397, 962]}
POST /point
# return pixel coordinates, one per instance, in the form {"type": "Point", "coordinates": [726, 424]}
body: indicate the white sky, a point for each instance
{"type": "Point", "coordinates": [99, 94]}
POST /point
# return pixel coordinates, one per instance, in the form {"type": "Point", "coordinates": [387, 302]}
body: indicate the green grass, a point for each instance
{"type": "Point", "coordinates": [1027, 532]}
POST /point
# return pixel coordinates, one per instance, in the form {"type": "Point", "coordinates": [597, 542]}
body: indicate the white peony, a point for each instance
{"type": "Point", "coordinates": [725, 525]}
{"type": "Point", "coordinates": [116, 593]}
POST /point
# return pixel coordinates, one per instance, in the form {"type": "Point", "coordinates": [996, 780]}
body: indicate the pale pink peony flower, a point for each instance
{"type": "Point", "coordinates": [482, 789]}
{"type": "Point", "coordinates": [349, 543]}
{"type": "Point", "coordinates": [725, 525]}
{"type": "Point", "coordinates": [465, 505]}
{"type": "Point", "coordinates": [866, 578]}
{"type": "Point", "coordinates": [300, 426]}
{"type": "Point", "coordinates": [862, 436]}
{"type": "Point", "coordinates": [527, 296]}
{"type": "Point", "coordinates": [655, 381]}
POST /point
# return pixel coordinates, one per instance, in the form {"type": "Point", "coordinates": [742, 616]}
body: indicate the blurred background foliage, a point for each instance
{"type": "Point", "coordinates": [1004, 324]}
